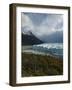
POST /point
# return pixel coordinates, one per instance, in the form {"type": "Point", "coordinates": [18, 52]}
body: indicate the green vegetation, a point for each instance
{"type": "Point", "coordinates": [41, 65]}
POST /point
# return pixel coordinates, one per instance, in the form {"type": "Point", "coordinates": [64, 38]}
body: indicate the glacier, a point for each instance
{"type": "Point", "coordinates": [51, 48]}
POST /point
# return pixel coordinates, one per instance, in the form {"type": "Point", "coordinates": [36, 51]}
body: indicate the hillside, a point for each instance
{"type": "Point", "coordinates": [30, 39]}
{"type": "Point", "coordinates": [41, 65]}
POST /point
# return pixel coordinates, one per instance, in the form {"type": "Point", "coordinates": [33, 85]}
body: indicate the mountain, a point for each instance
{"type": "Point", "coordinates": [29, 39]}
{"type": "Point", "coordinates": [56, 37]}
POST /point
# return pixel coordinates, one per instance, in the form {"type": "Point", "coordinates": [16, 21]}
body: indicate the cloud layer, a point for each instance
{"type": "Point", "coordinates": [42, 24]}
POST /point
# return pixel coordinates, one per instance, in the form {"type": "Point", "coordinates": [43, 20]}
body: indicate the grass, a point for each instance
{"type": "Point", "coordinates": [41, 65]}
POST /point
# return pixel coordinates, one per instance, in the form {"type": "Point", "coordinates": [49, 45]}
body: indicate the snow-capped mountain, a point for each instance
{"type": "Point", "coordinates": [27, 33]}
{"type": "Point", "coordinates": [29, 39]}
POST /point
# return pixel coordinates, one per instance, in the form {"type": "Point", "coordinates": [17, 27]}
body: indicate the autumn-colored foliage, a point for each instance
{"type": "Point", "coordinates": [41, 65]}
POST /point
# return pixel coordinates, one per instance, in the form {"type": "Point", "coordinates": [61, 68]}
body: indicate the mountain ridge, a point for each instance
{"type": "Point", "coordinates": [30, 39]}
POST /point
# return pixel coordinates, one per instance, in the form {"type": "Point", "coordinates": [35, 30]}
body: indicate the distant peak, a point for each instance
{"type": "Point", "coordinates": [27, 33]}
{"type": "Point", "coordinates": [26, 30]}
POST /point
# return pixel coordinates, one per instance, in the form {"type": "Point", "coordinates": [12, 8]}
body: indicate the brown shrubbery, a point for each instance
{"type": "Point", "coordinates": [41, 65]}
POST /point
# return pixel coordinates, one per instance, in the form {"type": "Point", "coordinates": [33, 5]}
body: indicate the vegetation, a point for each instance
{"type": "Point", "coordinates": [41, 65]}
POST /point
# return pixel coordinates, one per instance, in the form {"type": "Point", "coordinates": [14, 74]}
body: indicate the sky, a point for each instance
{"type": "Point", "coordinates": [41, 24]}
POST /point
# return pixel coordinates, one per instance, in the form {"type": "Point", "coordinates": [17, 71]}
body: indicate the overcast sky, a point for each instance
{"type": "Point", "coordinates": [41, 24]}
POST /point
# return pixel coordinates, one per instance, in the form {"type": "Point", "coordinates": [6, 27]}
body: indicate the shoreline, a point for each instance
{"type": "Point", "coordinates": [29, 49]}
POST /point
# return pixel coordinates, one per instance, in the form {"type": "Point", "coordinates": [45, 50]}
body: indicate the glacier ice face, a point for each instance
{"type": "Point", "coordinates": [52, 48]}
{"type": "Point", "coordinates": [51, 45]}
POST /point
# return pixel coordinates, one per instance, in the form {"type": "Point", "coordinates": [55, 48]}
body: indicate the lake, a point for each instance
{"type": "Point", "coordinates": [55, 49]}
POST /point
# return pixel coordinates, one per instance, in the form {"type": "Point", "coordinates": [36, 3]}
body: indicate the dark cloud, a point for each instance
{"type": "Point", "coordinates": [42, 25]}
